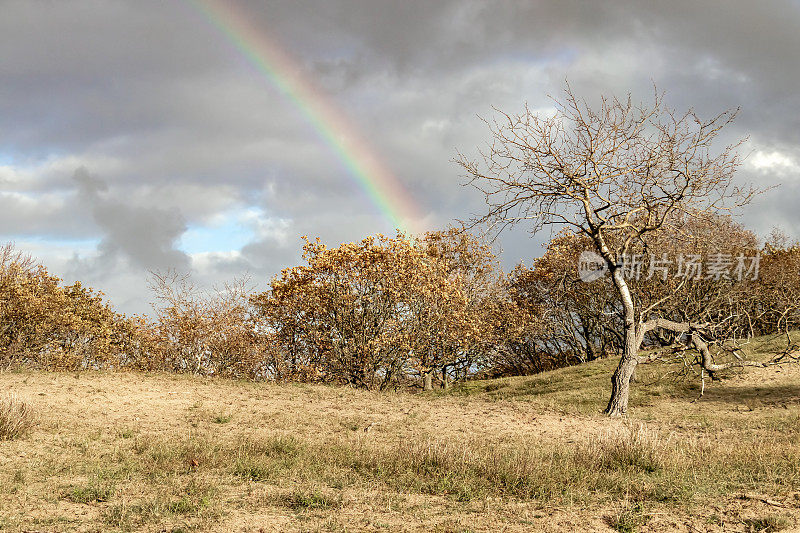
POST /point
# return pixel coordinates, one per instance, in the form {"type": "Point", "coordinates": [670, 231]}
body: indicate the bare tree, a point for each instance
{"type": "Point", "coordinates": [615, 172]}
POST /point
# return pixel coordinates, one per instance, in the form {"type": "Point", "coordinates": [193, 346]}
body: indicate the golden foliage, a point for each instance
{"type": "Point", "coordinates": [46, 325]}
{"type": "Point", "coordinates": [387, 312]}
{"type": "Point", "coordinates": [382, 310]}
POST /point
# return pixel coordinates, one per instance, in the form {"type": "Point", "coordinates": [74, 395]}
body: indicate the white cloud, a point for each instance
{"type": "Point", "coordinates": [205, 261]}
{"type": "Point", "coordinates": [773, 160]}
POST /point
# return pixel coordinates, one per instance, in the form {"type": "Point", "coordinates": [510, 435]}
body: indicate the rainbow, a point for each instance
{"type": "Point", "coordinates": [284, 73]}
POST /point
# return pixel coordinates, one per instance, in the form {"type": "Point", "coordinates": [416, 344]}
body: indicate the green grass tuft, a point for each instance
{"type": "Point", "coordinates": [301, 500]}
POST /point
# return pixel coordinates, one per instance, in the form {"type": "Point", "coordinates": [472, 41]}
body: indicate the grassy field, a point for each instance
{"type": "Point", "coordinates": [132, 452]}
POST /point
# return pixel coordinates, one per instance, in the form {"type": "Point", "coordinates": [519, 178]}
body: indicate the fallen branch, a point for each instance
{"type": "Point", "coordinates": [762, 499]}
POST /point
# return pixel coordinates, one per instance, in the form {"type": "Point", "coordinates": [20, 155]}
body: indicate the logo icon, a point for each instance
{"type": "Point", "coordinates": [591, 266]}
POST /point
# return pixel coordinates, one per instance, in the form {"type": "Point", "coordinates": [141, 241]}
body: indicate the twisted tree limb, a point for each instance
{"type": "Point", "coordinates": [695, 340]}
{"type": "Point", "coordinates": [707, 362]}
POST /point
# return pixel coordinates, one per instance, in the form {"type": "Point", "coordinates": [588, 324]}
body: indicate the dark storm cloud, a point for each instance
{"type": "Point", "coordinates": [141, 235]}
{"type": "Point", "coordinates": [181, 130]}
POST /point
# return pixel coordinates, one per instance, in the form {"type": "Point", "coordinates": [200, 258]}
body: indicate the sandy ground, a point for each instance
{"type": "Point", "coordinates": [103, 406]}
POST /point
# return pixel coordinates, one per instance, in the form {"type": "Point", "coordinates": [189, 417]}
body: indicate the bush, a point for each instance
{"type": "Point", "coordinates": [46, 325]}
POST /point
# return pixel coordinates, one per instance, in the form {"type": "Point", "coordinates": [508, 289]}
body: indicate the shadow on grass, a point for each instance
{"type": "Point", "coordinates": [772, 395]}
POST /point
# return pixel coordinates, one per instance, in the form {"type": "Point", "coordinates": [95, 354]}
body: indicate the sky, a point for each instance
{"type": "Point", "coordinates": [209, 136]}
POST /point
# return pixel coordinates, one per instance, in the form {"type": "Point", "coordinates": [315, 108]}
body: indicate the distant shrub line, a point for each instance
{"type": "Point", "coordinates": [382, 313]}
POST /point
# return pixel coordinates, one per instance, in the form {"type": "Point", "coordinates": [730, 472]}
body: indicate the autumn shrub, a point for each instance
{"type": "Point", "coordinates": [207, 333]}
{"type": "Point", "coordinates": [343, 317]}
{"type": "Point", "coordinates": [384, 311]}
{"type": "Point", "coordinates": [44, 324]}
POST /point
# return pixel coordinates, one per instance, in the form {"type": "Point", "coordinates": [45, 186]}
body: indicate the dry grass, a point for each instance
{"type": "Point", "coordinates": [126, 452]}
{"type": "Point", "coordinates": [634, 446]}
{"type": "Point", "coordinates": [16, 418]}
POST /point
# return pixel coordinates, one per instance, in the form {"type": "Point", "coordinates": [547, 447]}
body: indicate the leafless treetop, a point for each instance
{"type": "Point", "coordinates": [616, 172]}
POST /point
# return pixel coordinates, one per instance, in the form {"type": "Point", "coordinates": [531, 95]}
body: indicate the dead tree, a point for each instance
{"type": "Point", "coordinates": [615, 172]}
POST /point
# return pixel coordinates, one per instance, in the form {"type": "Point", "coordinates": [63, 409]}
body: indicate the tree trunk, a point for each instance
{"type": "Point", "coordinates": [621, 380]}
{"type": "Point", "coordinates": [427, 380]}
{"type": "Point", "coordinates": [445, 379]}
